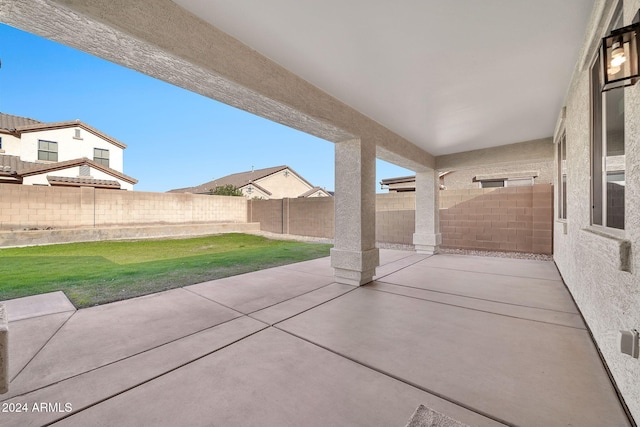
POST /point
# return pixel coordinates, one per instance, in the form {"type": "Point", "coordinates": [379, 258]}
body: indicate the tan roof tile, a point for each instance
{"type": "Point", "coordinates": [10, 123]}
{"type": "Point", "coordinates": [82, 182]}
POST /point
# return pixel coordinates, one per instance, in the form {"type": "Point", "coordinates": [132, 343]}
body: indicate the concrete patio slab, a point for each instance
{"type": "Point", "coordinates": [392, 255]}
{"type": "Point", "coordinates": [525, 291]}
{"type": "Point", "coordinates": [505, 266]}
{"type": "Point", "coordinates": [37, 305]}
{"type": "Point", "coordinates": [97, 385]}
{"type": "Point", "coordinates": [269, 379]}
{"type": "Point", "coordinates": [297, 305]}
{"type": "Point", "coordinates": [348, 356]}
{"type": "Point", "coordinates": [525, 373]}
{"type": "Point", "coordinates": [318, 266]}
{"type": "Point", "coordinates": [573, 320]}
{"type": "Point", "coordinates": [255, 291]}
{"type": "Point", "coordinates": [97, 336]}
{"type": "Point", "coordinates": [29, 336]}
{"type": "Point", "coordinates": [398, 264]}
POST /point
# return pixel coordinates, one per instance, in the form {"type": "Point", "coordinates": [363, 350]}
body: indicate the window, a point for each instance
{"type": "Point", "coordinates": [519, 182]}
{"type": "Point", "coordinates": [101, 156]}
{"type": "Point", "coordinates": [507, 182]}
{"type": "Point", "coordinates": [77, 134]}
{"type": "Point", "coordinates": [0, 143]}
{"type": "Point", "coordinates": [608, 151]}
{"type": "Point", "coordinates": [48, 151]}
{"type": "Point", "coordinates": [562, 177]}
{"type": "Point", "coordinates": [491, 184]}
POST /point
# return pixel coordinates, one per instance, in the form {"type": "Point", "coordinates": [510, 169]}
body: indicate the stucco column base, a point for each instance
{"type": "Point", "coordinates": [427, 243]}
{"type": "Point", "coordinates": [4, 350]}
{"type": "Point", "coordinates": [354, 268]}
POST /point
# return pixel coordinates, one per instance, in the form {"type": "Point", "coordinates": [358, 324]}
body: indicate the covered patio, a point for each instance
{"type": "Point", "coordinates": [363, 337]}
{"type": "Point", "coordinates": [485, 341]}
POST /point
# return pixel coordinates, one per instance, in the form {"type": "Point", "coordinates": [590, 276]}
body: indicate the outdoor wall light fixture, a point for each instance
{"type": "Point", "coordinates": [619, 53]}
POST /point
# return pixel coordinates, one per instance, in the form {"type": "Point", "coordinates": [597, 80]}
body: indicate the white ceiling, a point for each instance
{"type": "Point", "coordinates": [448, 75]}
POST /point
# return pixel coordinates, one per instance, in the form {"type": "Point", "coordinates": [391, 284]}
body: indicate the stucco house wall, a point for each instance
{"type": "Point", "coordinates": [463, 171]}
{"type": "Point", "coordinates": [10, 144]}
{"type": "Point", "coordinates": [284, 184]}
{"type": "Point", "coordinates": [592, 259]}
{"type": "Point", "coordinates": [252, 192]}
{"type": "Point", "coordinates": [504, 161]}
{"type": "Point", "coordinates": [69, 147]}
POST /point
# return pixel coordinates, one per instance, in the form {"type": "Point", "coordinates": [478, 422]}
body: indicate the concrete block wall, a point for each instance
{"type": "Point", "coordinates": [23, 206]}
{"type": "Point", "coordinates": [268, 213]}
{"type": "Point", "coordinates": [126, 208]}
{"type": "Point", "coordinates": [395, 217]}
{"type": "Point", "coordinates": [507, 219]}
{"type": "Point", "coordinates": [311, 217]}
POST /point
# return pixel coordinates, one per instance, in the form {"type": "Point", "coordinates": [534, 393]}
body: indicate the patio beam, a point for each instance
{"type": "Point", "coordinates": [354, 256]}
{"type": "Point", "coordinates": [427, 238]}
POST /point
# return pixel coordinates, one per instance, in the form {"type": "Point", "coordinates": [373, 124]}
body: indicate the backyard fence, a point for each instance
{"type": "Point", "coordinates": [29, 206]}
{"type": "Point", "coordinates": [508, 219]}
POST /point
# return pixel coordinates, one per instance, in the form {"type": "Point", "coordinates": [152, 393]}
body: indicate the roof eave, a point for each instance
{"type": "Point", "coordinates": [69, 124]}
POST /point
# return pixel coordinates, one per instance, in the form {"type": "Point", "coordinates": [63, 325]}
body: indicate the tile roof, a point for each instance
{"type": "Point", "coordinates": [37, 168]}
{"type": "Point", "coordinates": [82, 182]}
{"type": "Point", "coordinates": [238, 180]}
{"type": "Point", "coordinates": [313, 191]}
{"type": "Point", "coordinates": [9, 122]}
{"type": "Point", "coordinates": [11, 164]}
{"type": "Point", "coordinates": [38, 126]}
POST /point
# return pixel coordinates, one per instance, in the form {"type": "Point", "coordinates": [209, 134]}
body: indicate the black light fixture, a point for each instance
{"type": "Point", "coordinates": [619, 56]}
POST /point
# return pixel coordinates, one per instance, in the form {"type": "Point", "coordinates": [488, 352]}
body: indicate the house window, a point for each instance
{"type": "Point", "coordinates": [492, 184]}
{"type": "Point", "coordinates": [608, 151]}
{"type": "Point", "coordinates": [562, 177]}
{"type": "Point", "coordinates": [519, 182]}
{"type": "Point", "coordinates": [101, 156]}
{"type": "Point", "coordinates": [0, 143]}
{"type": "Point", "coordinates": [48, 151]}
{"type": "Point", "coordinates": [77, 134]}
{"type": "Point", "coordinates": [510, 182]}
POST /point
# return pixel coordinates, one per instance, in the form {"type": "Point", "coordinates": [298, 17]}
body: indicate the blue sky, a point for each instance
{"type": "Point", "coordinates": [175, 138]}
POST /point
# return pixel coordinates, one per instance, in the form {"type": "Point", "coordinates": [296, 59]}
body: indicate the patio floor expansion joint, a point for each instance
{"type": "Point", "coordinates": [467, 296]}
{"type": "Point", "coordinates": [156, 376]}
{"type": "Point", "coordinates": [402, 268]}
{"type": "Point", "coordinates": [213, 301]}
{"type": "Point", "coordinates": [497, 274]}
{"type": "Point", "coordinates": [486, 311]}
{"type": "Point", "coordinates": [404, 381]}
{"type": "Point", "coordinates": [129, 356]}
{"type": "Point", "coordinates": [43, 345]}
{"type": "Point", "coordinates": [304, 311]}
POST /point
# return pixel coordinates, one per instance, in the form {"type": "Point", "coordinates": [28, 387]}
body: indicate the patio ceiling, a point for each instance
{"type": "Point", "coordinates": [448, 76]}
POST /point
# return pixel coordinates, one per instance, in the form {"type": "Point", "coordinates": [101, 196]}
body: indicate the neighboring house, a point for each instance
{"type": "Point", "coordinates": [514, 165]}
{"type": "Point", "coordinates": [60, 154]}
{"type": "Point", "coordinates": [278, 182]}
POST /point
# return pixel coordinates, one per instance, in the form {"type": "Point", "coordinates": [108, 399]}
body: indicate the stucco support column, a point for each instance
{"type": "Point", "coordinates": [427, 238]}
{"type": "Point", "coordinates": [354, 256]}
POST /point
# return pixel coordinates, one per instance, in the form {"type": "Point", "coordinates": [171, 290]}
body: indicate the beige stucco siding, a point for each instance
{"type": "Point", "coordinates": [284, 184]}
{"type": "Point", "coordinates": [589, 260]}
{"type": "Point", "coordinates": [69, 147]}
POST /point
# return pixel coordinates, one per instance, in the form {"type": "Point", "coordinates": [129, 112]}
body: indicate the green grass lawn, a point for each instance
{"type": "Point", "coordinates": [100, 272]}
